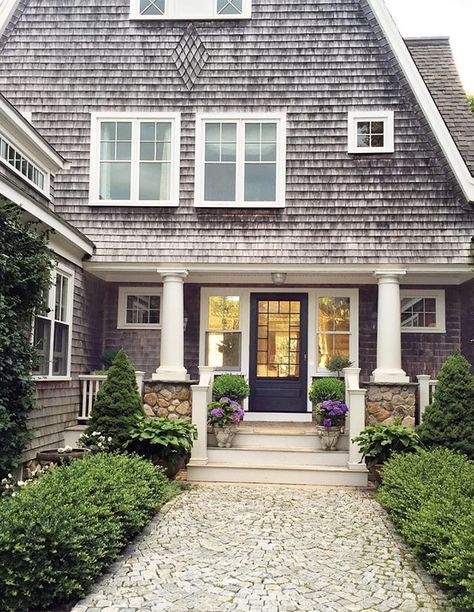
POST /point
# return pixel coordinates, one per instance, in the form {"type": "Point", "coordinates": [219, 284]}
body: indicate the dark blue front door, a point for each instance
{"type": "Point", "coordinates": [278, 352]}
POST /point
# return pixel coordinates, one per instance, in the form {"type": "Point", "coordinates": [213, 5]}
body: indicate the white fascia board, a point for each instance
{"type": "Point", "coordinates": [27, 138]}
{"type": "Point", "coordinates": [424, 97]}
{"type": "Point", "coordinates": [49, 219]}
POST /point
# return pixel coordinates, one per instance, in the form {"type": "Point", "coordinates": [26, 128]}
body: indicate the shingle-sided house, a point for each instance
{"type": "Point", "coordinates": [266, 184]}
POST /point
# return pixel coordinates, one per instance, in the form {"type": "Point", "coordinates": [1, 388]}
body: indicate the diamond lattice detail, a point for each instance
{"type": "Point", "coordinates": [190, 56]}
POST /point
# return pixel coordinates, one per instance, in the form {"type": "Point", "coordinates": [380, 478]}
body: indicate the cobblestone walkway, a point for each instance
{"type": "Point", "coordinates": [266, 549]}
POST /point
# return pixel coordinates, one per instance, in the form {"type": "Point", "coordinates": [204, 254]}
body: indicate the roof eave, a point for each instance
{"type": "Point", "coordinates": [424, 97]}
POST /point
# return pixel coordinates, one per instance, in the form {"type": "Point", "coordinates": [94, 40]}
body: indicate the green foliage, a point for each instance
{"type": "Point", "coordinates": [232, 386]}
{"type": "Point", "coordinates": [470, 99]}
{"type": "Point", "coordinates": [60, 532]}
{"type": "Point", "coordinates": [430, 496]}
{"type": "Point", "coordinates": [324, 389]}
{"type": "Point", "coordinates": [379, 442]}
{"type": "Point", "coordinates": [449, 421]}
{"type": "Point", "coordinates": [162, 439]}
{"type": "Point", "coordinates": [118, 403]}
{"type": "Point", "coordinates": [107, 358]}
{"type": "Point", "coordinates": [25, 274]}
{"type": "Point", "coordinates": [337, 363]}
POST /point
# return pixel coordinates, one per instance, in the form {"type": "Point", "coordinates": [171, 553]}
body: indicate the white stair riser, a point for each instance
{"type": "Point", "coordinates": [264, 440]}
{"type": "Point", "coordinates": [279, 417]}
{"type": "Point", "coordinates": [210, 473]}
{"type": "Point", "coordinates": [256, 456]}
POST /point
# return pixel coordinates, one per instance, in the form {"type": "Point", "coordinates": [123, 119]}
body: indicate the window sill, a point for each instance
{"type": "Point", "coordinates": [266, 205]}
{"type": "Point", "coordinates": [135, 327]}
{"type": "Point", "coordinates": [370, 151]}
{"type": "Point", "coordinates": [424, 330]}
{"type": "Point", "coordinates": [134, 204]}
{"type": "Point", "coordinates": [138, 17]}
{"type": "Point", "coordinates": [38, 379]}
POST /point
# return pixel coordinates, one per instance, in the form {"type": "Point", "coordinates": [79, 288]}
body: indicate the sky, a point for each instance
{"type": "Point", "coordinates": [453, 18]}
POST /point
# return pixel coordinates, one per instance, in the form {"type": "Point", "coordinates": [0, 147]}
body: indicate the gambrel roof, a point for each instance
{"type": "Point", "coordinates": [316, 61]}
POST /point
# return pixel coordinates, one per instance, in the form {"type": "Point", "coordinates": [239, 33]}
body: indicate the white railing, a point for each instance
{"type": "Point", "coordinates": [202, 396]}
{"type": "Point", "coordinates": [425, 392]}
{"type": "Point", "coordinates": [355, 400]}
{"type": "Point", "coordinates": [90, 385]}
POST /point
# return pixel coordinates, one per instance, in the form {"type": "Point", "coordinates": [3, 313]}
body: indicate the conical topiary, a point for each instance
{"type": "Point", "coordinates": [449, 421]}
{"type": "Point", "coordinates": [118, 403]}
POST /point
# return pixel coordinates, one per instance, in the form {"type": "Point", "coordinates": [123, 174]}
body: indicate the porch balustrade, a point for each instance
{"type": "Point", "coordinates": [425, 392]}
{"type": "Point", "coordinates": [90, 385]}
{"type": "Point", "coordinates": [355, 399]}
{"type": "Point", "coordinates": [202, 396]}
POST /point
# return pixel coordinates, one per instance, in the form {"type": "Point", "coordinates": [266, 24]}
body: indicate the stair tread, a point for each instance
{"type": "Point", "coordinates": [278, 449]}
{"type": "Point", "coordinates": [305, 468]}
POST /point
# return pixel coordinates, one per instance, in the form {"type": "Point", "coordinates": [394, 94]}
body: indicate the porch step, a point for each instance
{"type": "Point", "coordinates": [275, 417]}
{"type": "Point", "coordinates": [288, 474]}
{"type": "Point", "coordinates": [72, 435]}
{"type": "Point", "coordinates": [299, 440]}
{"type": "Point", "coordinates": [277, 456]}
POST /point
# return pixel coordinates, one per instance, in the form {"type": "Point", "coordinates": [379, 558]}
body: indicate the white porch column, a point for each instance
{"type": "Point", "coordinates": [172, 327]}
{"type": "Point", "coordinates": [389, 334]}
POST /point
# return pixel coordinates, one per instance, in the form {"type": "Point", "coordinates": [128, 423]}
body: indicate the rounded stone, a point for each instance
{"type": "Point", "coordinates": [148, 411]}
{"type": "Point", "coordinates": [162, 412]}
{"type": "Point", "coordinates": [163, 403]}
{"type": "Point", "coordinates": [173, 416]}
{"type": "Point", "coordinates": [409, 422]}
{"type": "Point", "coordinates": [374, 395]}
{"type": "Point", "coordinates": [183, 393]}
{"type": "Point", "coordinates": [183, 408]}
{"type": "Point", "coordinates": [166, 393]}
{"type": "Point", "coordinates": [151, 399]}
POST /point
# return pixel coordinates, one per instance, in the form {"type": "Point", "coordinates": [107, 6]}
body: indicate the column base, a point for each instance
{"type": "Point", "coordinates": [171, 375]}
{"type": "Point", "coordinates": [389, 376]}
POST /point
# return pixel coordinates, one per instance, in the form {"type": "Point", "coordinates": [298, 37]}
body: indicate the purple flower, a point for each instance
{"type": "Point", "coordinates": [327, 423]}
{"type": "Point", "coordinates": [217, 412]}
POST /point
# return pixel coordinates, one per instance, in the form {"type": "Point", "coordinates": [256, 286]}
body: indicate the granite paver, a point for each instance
{"type": "Point", "coordinates": [268, 549]}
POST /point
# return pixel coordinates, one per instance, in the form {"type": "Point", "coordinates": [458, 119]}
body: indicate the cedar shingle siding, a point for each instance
{"type": "Point", "coordinates": [315, 60]}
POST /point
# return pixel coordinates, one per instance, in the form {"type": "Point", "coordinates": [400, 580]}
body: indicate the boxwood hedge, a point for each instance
{"type": "Point", "coordinates": [430, 496]}
{"type": "Point", "coordinates": [59, 533]}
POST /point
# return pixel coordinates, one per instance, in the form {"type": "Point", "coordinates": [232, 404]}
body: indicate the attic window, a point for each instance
{"type": "Point", "coordinates": [190, 9]}
{"type": "Point", "coordinates": [371, 132]}
{"type": "Point", "coordinates": [22, 165]}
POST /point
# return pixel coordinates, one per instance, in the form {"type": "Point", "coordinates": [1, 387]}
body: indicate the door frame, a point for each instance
{"type": "Point", "coordinates": [303, 298]}
{"type": "Point", "coordinates": [313, 294]}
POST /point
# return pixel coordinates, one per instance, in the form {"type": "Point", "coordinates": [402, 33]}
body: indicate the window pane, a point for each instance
{"type": "Point", "coordinates": [268, 152]}
{"type": "Point", "coordinates": [163, 131]}
{"type": "Point", "coordinates": [224, 312]}
{"type": "Point", "coordinates": [260, 182]}
{"type": "Point", "coordinates": [147, 131]}
{"type": "Point", "coordinates": [376, 127]}
{"type": "Point", "coordinates": [60, 310]}
{"type": "Point", "coordinates": [147, 151]}
{"type": "Point", "coordinates": [124, 130]}
{"type": "Point", "coordinates": [252, 132]}
{"type": "Point", "coordinates": [363, 127]}
{"type": "Point", "coordinates": [223, 350]}
{"type": "Point", "coordinates": [155, 181]}
{"type": "Point", "coordinates": [107, 151]}
{"type": "Point", "coordinates": [252, 152]}
{"type": "Point", "coordinates": [42, 339]}
{"type": "Point", "coordinates": [60, 349]}
{"type": "Point", "coordinates": [229, 132]}
{"type": "Point", "coordinates": [108, 130]}
{"type": "Point", "coordinates": [363, 141]}
{"type": "Point", "coordinates": [330, 345]}
{"type": "Point", "coordinates": [229, 7]}
{"type": "Point", "coordinates": [163, 151]}
{"type": "Point", "coordinates": [114, 181]}
{"type": "Point", "coordinates": [213, 132]}
{"type": "Point", "coordinates": [269, 132]}
{"type": "Point", "coordinates": [377, 141]}
{"type": "Point", "coordinates": [219, 181]}
{"type": "Point", "coordinates": [334, 314]}
{"type": "Point", "coordinates": [213, 152]}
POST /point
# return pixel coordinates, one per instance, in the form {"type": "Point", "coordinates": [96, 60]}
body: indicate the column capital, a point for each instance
{"type": "Point", "coordinates": [389, 275]}
{"type": "Point", "coordinates": [172, 273]}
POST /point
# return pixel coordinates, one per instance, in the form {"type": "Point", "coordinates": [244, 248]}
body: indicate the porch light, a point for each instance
{"type": "Point", "coordinates": [278, 278]}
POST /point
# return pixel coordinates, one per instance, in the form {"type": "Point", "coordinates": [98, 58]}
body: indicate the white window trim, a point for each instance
{"type": "Point", "coordinates": [440, 296]}
{"type": "Point", "coordinates": [69, 273]}
{"type": "Point", "coordinates": [388, 119]}
{"type": "Point", "coordinates": [135, 118]}
{"type": "Point", "coordinates": [313, 295]}
{"type": "Point", "coordinates": [353, 295]}
{"type": "Point", "coordinates": [202, 119]}
{"type": "Point", "coordinates": [124, 292]}
{"type": "Point", "coordinates": [45, 190]}
{"type": "Point", "coordinates": [172, 12]}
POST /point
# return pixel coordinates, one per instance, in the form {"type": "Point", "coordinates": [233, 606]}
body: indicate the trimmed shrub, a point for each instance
{"type": "Point", "coordinates": [233, 386]}
{"type": "Point", "coordinates": [118, 404]}
{"type": "Point", "coordinates": [324, 389]}
{"type": "Point", "coordinates": [60, 532]}
{"type": "Point", "coordinates": [449, 421]}
{"type": "Point", "coordinates": [430, 496]}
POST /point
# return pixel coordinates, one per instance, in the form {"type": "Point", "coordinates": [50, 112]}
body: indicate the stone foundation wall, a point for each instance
{"type": "Point", "coordinates": [168, 399]}
{"type": "Point", "coordinates": [385, 403]}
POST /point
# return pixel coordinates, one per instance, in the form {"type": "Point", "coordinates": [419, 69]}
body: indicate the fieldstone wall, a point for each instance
{"type": "Point", "coordinates": [168, 399]}
{"type": "Point", "coordinates": [385, 403]}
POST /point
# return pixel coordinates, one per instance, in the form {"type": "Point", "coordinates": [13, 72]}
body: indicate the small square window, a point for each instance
{"type": "Point", "coordinates": [139, 308]}
{"type": "Point", "coordinates": [423, 311]}
{"type": "Point", "coordinates": [371, 132]}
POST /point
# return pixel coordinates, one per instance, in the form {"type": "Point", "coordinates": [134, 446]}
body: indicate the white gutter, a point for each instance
{"type": "Point", "coordinates": [424, 97]}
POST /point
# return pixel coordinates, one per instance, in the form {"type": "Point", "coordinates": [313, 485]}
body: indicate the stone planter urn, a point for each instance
{"type": "Point", "coordinates": [328, 436]}
{"type": "Point", "coordinates": [225, 435]}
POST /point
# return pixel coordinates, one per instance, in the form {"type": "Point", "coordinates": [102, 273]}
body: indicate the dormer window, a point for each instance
{"type": "Point", "coordinates": [371, 132]}
{"type": "Point", "coordinates": [190, 9]}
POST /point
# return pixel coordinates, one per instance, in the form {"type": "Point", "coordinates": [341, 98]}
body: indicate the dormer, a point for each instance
{"type": "Point", "coordinates": [190, 10]}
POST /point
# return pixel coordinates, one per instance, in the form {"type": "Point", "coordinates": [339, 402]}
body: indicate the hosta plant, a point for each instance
{"type": "Point", "coordinates": [379, 442]}
{"type": "Point", "coordinates": [162, 439]}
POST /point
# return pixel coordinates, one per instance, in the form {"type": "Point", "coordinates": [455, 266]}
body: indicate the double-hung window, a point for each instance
{"type": "Point", "coordinates": [53, 328]}
{"type": "Point", "coordinates": [135, 159]}
{"type": "Point", "coordinates": [190, 9]}
{"type": "Point", "coordinates": [223, 333]}
{"type": "Point", "coordinates": [240, 161]}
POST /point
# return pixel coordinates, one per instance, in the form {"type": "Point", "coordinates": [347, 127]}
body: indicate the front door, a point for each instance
{"type": "Point", "coordinates": [278, 352]}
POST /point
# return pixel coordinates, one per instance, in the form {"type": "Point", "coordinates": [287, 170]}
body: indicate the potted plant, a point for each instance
{"type": "Point", "coordinates": [378, 442]}
{"type": "Point", "coordinates": [233, 386]}
{"type": "Point", "coordinates": [330, 419]}
{"type": "Point", "coordinates": [337, 363]}
{"type": "Point", "coordinates": [224, 416]}
{"type": "Point", "coordinates": [166, 442]}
